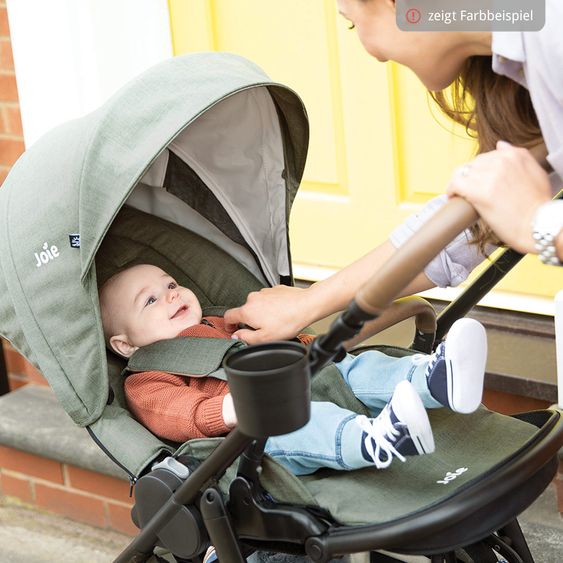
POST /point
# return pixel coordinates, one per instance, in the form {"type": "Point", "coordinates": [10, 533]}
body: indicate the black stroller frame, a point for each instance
{"type": "Point", "coordinates": [478, 518]}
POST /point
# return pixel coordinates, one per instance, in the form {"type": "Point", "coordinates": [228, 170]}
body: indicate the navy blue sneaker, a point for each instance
{"type": "Point", "coordinates": [456, 371]}
{"type": "Point", "coordinates": [401, 429]}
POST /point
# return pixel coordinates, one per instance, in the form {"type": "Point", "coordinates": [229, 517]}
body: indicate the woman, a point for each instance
{"type": "Point", "coordinates": [516, 82]}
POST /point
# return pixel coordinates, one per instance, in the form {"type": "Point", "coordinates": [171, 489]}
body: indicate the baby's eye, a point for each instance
{"type": "Point", "coordinates": [351, 26]}
{"type": "Point", "coordinates": [150, 300]}
{"type": "Point", "coordinates": [172, 285]}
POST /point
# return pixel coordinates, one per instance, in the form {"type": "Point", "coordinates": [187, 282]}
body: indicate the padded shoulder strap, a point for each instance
{"type": "Point", "coordinates": [214, 311]}
{"type": "Point", "coordinates": [189, 356]}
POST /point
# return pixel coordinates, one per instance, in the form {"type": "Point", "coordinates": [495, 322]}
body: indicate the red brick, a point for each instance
{"type": "Point", "coordinates": [72, 504]}
{"type": "Point", "coordinates": [3, 173]}
{"type": "Point", "coordinates": [6, 57]}
{"type": "Point", "coordinates": [12, 120]}
{"type": "Point", "coordinates": [8, 87]}
{"type": "Point", "coordinates": [10, 151]}
{"type": "Point", "coordinates": [22, 462]}
{"type": "Point", "coordinates": [4, 27]}
{"type": "Point", "coordinates": [17, 487]}
{"type": "Point", "coordinates": [16, 381]}
{"type": "Point", "coordinates": [120, 519]}
{"type": "Point", "coordinates": [15, 362]}
{"type": "Point", "coordinates": [97, 484]}
{"type": "Point", "coordinates": [507, 403]}
{"type": "Point", "coordinates": [34, 375]}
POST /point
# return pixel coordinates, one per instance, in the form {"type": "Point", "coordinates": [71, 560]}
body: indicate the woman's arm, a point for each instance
{"type": "Point", "coordinates": [282, 312]}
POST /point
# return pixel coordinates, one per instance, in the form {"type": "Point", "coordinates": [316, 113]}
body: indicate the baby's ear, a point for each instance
{"type": "Point", "coordinates": [120, 345]}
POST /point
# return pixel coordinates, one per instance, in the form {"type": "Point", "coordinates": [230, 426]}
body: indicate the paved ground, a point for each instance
{"type": "Point", "coordinates": [32, 536]}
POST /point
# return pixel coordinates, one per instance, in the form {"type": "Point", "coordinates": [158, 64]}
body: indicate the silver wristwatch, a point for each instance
{"type": "Point", "coordinates": [546, 226]}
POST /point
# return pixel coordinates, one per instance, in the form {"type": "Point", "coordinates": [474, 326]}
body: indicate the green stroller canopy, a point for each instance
{"type": "Point", "coordinates": [228, 144]}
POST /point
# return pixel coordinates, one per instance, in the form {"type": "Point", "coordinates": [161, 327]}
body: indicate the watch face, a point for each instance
{"type": "Point", "coordinates": [549, 218]}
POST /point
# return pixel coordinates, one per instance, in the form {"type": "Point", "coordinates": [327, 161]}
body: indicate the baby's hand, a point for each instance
{"type": "Point", "coordinates": [229, 415]}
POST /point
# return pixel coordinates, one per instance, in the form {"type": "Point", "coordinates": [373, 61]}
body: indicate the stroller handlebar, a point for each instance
{"type": "Point", "coordinates": [411, 259]}
{"type": "Point", "coordinates": [384, 286]}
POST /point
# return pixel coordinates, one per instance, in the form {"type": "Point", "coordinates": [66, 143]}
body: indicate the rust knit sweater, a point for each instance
{"type": "Point", "coordinates": [181, 408]}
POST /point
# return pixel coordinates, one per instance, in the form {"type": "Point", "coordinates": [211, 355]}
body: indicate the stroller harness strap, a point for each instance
{"type": "Point", "coordinates": [190, 356]}
{"type": "Point", "coordinates": [200, 356]}
{"type": "Point", "coordinates": [198, 351]}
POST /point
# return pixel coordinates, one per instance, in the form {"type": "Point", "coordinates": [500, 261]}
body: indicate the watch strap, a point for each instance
{"type": "Point", "coordinates": [546, 227]}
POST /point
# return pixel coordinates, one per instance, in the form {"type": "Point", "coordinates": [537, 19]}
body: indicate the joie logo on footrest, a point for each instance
{"type": "Point", "coordinates": [451, 476]}
{"type": "Point", "coordinates": [46, 255]}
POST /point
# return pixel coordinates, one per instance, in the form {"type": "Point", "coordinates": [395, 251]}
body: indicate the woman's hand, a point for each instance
{"type": "Point", "coordinates": [506, 186]}
{"type": "Point", "coordinates": [274, 312]}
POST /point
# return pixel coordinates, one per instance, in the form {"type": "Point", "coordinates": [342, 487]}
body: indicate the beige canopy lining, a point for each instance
{"type": "Point", "coordinates": [236, 149]}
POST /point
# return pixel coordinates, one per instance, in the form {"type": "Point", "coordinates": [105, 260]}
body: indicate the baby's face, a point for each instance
{"type": "Point", "coordinates": [143, 304]}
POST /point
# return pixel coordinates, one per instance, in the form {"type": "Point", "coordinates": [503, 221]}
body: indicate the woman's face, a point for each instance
{"type": "Point", "coordinates": [435, 57]}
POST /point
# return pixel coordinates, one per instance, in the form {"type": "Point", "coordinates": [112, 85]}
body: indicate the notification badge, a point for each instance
{"type": "Point", "coordinates": [413, 15]}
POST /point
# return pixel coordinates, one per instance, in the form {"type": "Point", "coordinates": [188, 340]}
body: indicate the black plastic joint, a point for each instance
{"type": "Point", "coordinates": [316, 550]}
{"type": "Point", "coordinates": [355, 315]}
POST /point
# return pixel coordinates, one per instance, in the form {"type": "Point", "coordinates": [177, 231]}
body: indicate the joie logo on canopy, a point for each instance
{"type": "Point", "coordinates": [46, 255]}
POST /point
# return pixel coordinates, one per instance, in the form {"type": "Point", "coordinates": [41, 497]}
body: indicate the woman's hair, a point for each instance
{"type": "Point", "coordinates": [491, 107]}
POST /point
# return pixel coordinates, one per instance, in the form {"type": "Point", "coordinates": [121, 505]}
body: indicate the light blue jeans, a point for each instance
{"type": "Point", "coordinates": [332, 438]}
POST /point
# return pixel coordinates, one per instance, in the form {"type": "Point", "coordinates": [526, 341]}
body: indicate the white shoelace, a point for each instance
{"type": "Point", "coordinates": [380, 431]}
{"type": "Point", "coordinates": [418, 359]}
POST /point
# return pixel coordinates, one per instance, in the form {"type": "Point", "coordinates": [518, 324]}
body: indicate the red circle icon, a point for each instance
{"type": "Point", "coordinates": [413, 15]}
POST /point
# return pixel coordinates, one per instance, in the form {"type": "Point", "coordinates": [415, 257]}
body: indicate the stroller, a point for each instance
{"type": "Point", "coordinates": [194, 167]}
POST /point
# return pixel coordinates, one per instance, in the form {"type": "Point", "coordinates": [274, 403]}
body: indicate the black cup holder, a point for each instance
{"type": "Point", "coordinates": [271, 388]}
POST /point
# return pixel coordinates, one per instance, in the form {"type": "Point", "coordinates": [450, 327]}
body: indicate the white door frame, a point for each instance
{"type": "Point", "coordinates": [71, 55]}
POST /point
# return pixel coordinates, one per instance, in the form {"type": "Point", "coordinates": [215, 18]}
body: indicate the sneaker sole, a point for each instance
{"type": "Point", "coordinates": [410, 410]}
{"type": "Point", "coordinates": [466, 348]}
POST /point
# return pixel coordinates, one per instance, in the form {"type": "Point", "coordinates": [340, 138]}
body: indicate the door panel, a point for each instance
{"type": "Point", "coordinates": [379, 148]}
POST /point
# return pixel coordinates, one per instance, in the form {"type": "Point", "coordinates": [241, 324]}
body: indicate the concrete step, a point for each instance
{"type": "Point", "coordinates": [28, 534]}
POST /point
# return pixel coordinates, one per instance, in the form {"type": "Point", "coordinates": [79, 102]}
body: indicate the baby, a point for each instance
{"type": "Point", "coordinates": [143, 304]}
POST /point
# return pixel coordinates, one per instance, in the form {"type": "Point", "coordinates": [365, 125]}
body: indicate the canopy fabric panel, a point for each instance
{"type": "Point", "coordinates": [62, 195]}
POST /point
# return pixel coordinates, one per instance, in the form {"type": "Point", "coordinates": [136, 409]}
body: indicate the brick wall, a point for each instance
{"type": "Point", "coordinates": [20, 371]}
{"type": "Point", "coordinates": [11, 135]}
{"type": "Point", "coordinates": [11, 147]}
{"type": "Point", "coordinates": [67, 490]}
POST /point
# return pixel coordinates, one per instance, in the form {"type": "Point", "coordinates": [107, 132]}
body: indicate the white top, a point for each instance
{"type": "Point", "coordinates": [456, 261]}
{"type": "Point", "coordinates": [535, 60]}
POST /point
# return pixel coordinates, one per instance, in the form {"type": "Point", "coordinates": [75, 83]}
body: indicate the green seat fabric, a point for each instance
{"type": "Point", "coordinates": [470, 445]}
{"type": "Point", "coordinates": [136, 237]}
{"type": "Point", "coordinates": [372, 496]}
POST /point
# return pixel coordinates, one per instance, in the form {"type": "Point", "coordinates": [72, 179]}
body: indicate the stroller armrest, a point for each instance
{"type": "Point", "coordinates": [400, 310]}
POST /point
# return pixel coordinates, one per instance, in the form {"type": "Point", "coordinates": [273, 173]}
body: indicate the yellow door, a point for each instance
{"type": "Point", "coordinates": [378, 149]}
